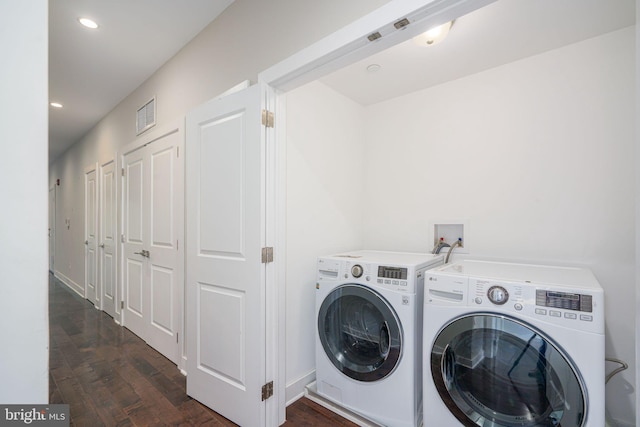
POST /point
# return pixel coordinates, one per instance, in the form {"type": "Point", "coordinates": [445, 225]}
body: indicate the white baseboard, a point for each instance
{"type": "Point", "coordinates": [70, 283]}
{"type": "Point", "coordinates": [311, 393]}
{"type": "Point", "coordinates": [618, 423]}
{"type": "Point", "coordinates": [296, 389]}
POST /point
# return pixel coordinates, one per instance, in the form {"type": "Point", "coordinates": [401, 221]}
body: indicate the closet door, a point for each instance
{"type": "Point", "coordinates": [134, 266]}
{"type": "Point", "coordinates": [90, 234]}
{"type": "Point", "coordinates": [152, 262]}
{"type": "Point", "coordinates": [108, 229]}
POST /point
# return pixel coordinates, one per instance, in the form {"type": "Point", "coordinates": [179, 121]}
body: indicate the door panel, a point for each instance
{"type": "Point", "coordinates": [90, 235]}
{"type": "Point", "coordinates": [222, 145]}
{"type": "Point", "coordinates": [134, 261]}
{"type": "Point", "coordinates": [162, 299]}
{"type": "Point", "coordinates": [164, 292]}
{"type": "Point", "coordinates": [107, 219]}
{"type": "Point", "coordinates": [225, 234]}
{"type": "Point", "coordinates": [222, 352]}
{"type": "Point", "coordinates": [153, 202]}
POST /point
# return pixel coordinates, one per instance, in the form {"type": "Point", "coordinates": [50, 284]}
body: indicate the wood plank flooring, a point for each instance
{"type": "Point", "coordinates": [110, 377]}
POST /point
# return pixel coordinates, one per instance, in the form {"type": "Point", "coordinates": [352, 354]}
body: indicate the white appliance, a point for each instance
{"type": "Point", "coordinates": [368, 339]}
{"type": "Point", "coordinates": [513, 345]}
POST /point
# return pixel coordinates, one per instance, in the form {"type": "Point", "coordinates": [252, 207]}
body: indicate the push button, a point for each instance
{"type": "Point", "coordinates": [570, 316]}
{"type": "Point", "coordinates": [554, 313]}
{"type": "Point", "coordinates": [586, 317]}
{"type": "Point", "coordinates": [541, 311]}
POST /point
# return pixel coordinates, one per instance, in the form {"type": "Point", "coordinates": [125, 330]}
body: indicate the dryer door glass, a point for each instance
{"type": "Point", "coordinates": [360, 333]}
{"type": "Point", "coordinates": [493, 370]}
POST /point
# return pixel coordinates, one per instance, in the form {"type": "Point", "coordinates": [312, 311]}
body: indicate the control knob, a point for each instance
{"type": "Point", "coordinates": [498, 295]}
{"type": "Point", "coordinates": [357, 270]}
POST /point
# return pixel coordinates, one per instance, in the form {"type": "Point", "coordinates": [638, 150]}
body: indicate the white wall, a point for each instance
{"type": "Point", "coordinates": [24, 356]}
{"type": "Point", "coordinates": [324, 208]}
{"type": "Point", "coordinates": [637, 199]}
{"type": "Point", "coordinates": [537, 156]}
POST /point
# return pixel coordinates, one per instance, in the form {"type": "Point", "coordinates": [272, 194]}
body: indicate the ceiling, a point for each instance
{"type": "Point", "coordinates": [497, 34]}
{"type": "Point", "coordinates": [90, 72]}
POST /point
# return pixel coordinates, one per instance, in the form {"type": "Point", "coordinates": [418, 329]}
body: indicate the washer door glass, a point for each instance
{"type": "Point", "coordinates": [492, 370]}
{"type": "Point", "coordinates": [360, 332]}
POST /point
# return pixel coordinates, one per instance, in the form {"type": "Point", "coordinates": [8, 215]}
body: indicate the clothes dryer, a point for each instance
{"type": "Point", "coordinates": [368, 340]}
{"type": "Point", "coordinates": [510, 345]}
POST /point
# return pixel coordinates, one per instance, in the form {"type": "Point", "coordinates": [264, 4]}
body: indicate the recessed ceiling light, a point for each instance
{"type": "Point", "coordinates": [56, 105]}
{"type": "Point", "coordinates": [374, 68]}
{"type": "Point", "coordinates": [89, 23]}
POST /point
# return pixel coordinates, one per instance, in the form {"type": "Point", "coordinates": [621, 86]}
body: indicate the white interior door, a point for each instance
{"type": "Point", "coordinates": [225, 277]}
{"type": "Point", "coordinates": [90, 234]}
{"type": "Point", "coordinates": [165, 276]}
{"type": "Point", "coordinates": [108, 231]}
{"type": "Point", "coordinates": [135, 216]}
{"type": "Point", "coordinates": [52, 227]}
{"type": "Point", "coordinates": [152, 259]}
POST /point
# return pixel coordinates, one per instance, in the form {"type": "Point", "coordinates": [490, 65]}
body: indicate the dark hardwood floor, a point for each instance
{"type": "Point", "coordinates": [110, 377]}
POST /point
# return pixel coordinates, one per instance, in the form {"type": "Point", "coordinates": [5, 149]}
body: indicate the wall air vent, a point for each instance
{"type": "Point", "coordinates": [146, 116]}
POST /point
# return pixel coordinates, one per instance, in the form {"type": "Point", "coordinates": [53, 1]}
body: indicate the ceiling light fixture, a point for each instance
{"type": "Point", "coordinates": [56, 105]}
{"type": "Point", "coordinates": [89, 23]}
{"type": "Point", "coordinates": [434, 35]}
{"type": "Point", "coordinates": [374, 68]}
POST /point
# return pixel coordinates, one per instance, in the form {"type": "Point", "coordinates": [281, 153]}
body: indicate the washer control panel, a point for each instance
{"type": "Point", "coordinates": [553, 295]}
{"type": "Point", "coordinates": [398, 278]}
{"type": "Point", "coordinates": [357, 270]}
{"type": "Point", "coordinates": [547, 304]}
{"type": "Point", "coordinates": [498, 295]}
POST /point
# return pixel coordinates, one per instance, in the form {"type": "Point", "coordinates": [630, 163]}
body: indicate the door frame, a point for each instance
{"type": "Point", "coordinates": [339, 49]}
{"type": "Point", "coordinates": [153, 134]}
{"type": "Point", "coordinates": [52, 228]}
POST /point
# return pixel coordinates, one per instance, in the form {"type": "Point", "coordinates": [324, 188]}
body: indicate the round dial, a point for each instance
{"type": "Point", "coordinates": [498, 295]}
{"type": "Point", "coordinates": [357, 270]}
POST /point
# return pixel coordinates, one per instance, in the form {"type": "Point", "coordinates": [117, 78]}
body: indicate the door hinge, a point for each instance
{"type": "Point", "coordinates": [177, 151]}
{"type": "Point", "coordinates": [177, 335]}
{"type": "Point", "coordinates": [122, 171]}
{"type": "Point", "coordinates": [267, 255]}
{"type": "Point", "coordinates": [267, 390]}
{"type": "Point", "coordinates": [121, 305]}
{"type": "Point", "coordinates": [122, 238]}
{"type": "Point", "coordinates": [267, 118]}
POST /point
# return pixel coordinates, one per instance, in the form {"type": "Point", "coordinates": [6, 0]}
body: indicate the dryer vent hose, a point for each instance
{"type": "Point", "coordinates": [619, 369]}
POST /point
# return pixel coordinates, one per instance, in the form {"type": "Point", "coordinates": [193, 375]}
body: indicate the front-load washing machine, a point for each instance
{"type": "Point", "coordinates": [368, 342]}
{"type": "Point", "coordinates": [513, 345]}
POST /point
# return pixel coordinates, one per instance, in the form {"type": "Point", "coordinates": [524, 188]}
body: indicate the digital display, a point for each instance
{"type": "Point", "coordinates": [564, 300]}
{"type": "Point", "coordinates": [392, 272]}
